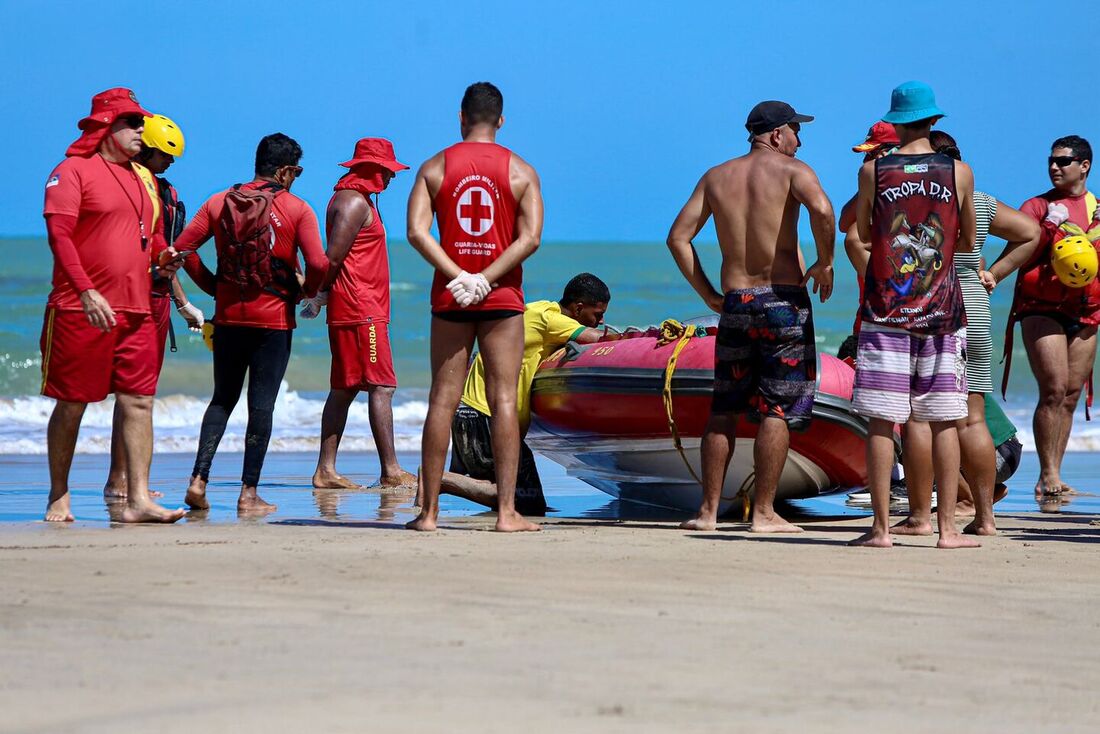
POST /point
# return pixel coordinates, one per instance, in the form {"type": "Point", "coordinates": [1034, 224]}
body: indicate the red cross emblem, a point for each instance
{"type": "Point", "coordinates": [475, 211]}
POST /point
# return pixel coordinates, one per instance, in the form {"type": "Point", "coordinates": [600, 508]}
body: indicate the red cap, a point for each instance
{"type": "Point", "coordinates": [375, 150]}
{"type": "Point", "coordinates": [110, 105]}
{"type": "Point", "coordinates": [881, 133]}
{"type": "Point", "coordinates": [106, 108]}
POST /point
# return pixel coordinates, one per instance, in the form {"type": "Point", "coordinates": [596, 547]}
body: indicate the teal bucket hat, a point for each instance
{"type": "Point", "coordinates": [910, 102]}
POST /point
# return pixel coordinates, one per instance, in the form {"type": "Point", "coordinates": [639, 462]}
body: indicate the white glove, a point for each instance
{"type": "Point", "coordinates": [192, 314]}
{"type": "Point", "coordinates": [468, 289]}
{"type": "Point", "coordinates": [311, 307]}
{"type": "Point", "coordinates": [1057, 214]}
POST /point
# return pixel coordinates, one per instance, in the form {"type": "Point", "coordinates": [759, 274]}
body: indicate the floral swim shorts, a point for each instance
{"type": "Point", "coordinates": [765, 359]}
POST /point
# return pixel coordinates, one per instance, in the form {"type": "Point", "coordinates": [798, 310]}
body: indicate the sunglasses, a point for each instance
{"type": "Point", "coordinates": [133, 121]}
{"type": "Point", "coordinates": [1062, 160]}
{"type": "Point", "coordinates": [296, 170]}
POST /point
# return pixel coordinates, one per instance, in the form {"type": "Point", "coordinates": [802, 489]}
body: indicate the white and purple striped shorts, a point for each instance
{"type": "Point", "coordinates": [900, 375]}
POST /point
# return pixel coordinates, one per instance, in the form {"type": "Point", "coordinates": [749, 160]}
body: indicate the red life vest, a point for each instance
{"type": "Point", "coordinates": [1038, 289]}
{"type": "Point", "coordinates": [476, 211]}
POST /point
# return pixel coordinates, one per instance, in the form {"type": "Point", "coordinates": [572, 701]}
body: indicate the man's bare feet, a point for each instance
{"type": "Point", "coordinates": [1050, 487]}
{"type": "Point", "coordinates": [401, 479]}
{"type": "Point", "coordinates": [251, 503]}
{"type": "Point", "coordinates": [873, 539]}
{"type": "Point", "coordinates": [332, 480]}
{"type": "Point", "coordinates": [150, 512]}
{"type": "Point", "coordinates": [986, 528]}
{"type": "Point", "coordinates": [955, 540]}
{"type": "Point", "coordinates": [59, 510]}
{"type": "Point", "coordinates": [196, 494]}
{"type": "Point", "coordinates": [702, 522]}
{"type": "Point", "coordinates": [423, 523]}
{"type": "Point", "coordinates": [965, 509]}
{"type": "Point", "coordinates": [116, 492]}
{"type": "Point", "coordinates": [912, 526]}
{"type": "Point", "coordinates": [1066, 489]}
{"type": "Point", "coordinates": [771, 523]}
{"type": "Point", "coordinates": [196, 499]}
{"type": "Point", "coordinates": [513, 522]}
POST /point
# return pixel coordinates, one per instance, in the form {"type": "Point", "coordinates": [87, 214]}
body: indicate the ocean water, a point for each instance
{"type": "Point", "coordinates": [645, 284]}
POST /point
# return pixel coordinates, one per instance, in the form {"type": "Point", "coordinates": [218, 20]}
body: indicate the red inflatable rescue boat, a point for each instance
{"type": "Point", "coordinates": [602, 411]}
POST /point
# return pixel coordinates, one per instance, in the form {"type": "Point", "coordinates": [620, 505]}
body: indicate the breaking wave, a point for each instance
{"type": "Point", "coordinates": [177, 418]}
{"type": "Point", "coordinates": [176, 421]}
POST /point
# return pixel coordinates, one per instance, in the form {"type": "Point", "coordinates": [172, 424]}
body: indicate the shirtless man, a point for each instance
{"type": "Point", "coordinates": [765, 359]}
{"type": "Point", "coordinates": [489, 207]}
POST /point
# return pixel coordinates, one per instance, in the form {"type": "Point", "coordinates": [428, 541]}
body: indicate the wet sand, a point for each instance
{"type": "Point", "coordinates": [304, 624]}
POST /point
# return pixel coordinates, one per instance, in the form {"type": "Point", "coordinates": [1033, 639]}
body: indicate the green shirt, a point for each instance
{"type": "Point", "coordinates": [1000, 427]}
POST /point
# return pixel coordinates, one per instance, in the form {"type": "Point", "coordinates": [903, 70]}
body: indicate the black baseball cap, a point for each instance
{"type": "Point", "coordinates": [769, 115]}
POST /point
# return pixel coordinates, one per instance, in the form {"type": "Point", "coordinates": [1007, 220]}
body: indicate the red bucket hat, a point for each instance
{"type": "Point", "coordinates": [110, 105]}
{"type": "Point", "coordinates": [881, 133]}
{"type": "Point", "coordinates": [107, 107]}
{"type": "Point", "coordinates": [375, 150]}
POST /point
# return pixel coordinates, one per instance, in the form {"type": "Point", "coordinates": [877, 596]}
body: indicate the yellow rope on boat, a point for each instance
{"type": "Point", "coordinates": [743, 495]}
{"type": "Point", "coordinates": [673, 330]}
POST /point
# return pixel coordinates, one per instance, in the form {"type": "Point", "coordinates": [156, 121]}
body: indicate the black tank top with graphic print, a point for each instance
{"type": "Point", "coordinates": [911, 282]}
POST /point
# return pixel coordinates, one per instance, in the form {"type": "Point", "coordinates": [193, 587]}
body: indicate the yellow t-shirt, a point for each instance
{"type": "Point", "coordinates": [545, 329]}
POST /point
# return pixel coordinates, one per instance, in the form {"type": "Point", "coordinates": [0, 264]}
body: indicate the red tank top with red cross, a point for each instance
{"type": "Point", "coordinates": [910, 281]}
{"type": "Point", "coordinates": [476, 212]}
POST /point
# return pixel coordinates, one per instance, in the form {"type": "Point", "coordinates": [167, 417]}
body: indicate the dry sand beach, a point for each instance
{"type": "Point", "coordinates": [295, 626]}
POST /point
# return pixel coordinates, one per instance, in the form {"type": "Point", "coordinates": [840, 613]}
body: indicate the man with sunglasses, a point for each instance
{"type": "Point", "coordinates": [1058, 322]}
{"type": "Point", "coordinates": [99, 338]}
{"type": "Point", "coordinates": [161, 142]}
{"type": "Point", "coordinates": [253, 321]}
{"type": "Point", "coordinates": [356, 290]}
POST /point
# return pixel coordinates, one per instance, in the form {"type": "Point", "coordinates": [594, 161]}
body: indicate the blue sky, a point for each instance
{"type": "Point", "coordinates": [619, 105]}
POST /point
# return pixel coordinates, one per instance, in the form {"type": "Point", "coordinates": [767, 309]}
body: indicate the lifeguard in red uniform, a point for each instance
{"type": "Point", "coordinates": [488, 205]}
{"type": "Point", "coordinates": [102, 211]}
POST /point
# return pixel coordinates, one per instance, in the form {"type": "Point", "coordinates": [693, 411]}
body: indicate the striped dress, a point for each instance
{"type": "Point", "coordinates": [979, 340]}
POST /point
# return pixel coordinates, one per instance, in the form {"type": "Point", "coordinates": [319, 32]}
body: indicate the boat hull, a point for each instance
{"type": "Point", "coordinates": [598, 412]}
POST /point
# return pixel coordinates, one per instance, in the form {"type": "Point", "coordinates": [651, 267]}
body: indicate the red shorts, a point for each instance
{"type": "Point", "coordinates": [162, 317]}
{"type": "Point", "coordinates": [81, 364]}
{"type": "Point", "coordinates": [361, 356]}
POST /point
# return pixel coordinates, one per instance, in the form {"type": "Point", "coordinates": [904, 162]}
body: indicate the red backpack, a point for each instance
{"type": "Point", "coordinates": [246, 259]}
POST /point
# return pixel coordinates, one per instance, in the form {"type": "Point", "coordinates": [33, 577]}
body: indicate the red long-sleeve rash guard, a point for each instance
{"type": "Point", "coordinates": [60, 229]}
{"type": "Point", "coordinates": [296, 230]}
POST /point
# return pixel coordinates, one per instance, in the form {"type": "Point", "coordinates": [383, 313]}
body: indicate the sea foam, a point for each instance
{"type": "Point", "coordinates": [177, 419]}
{"type": "Point", "coordinates": [297, 422]}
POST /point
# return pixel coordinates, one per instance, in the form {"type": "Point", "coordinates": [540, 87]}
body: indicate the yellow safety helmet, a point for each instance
{"type": "Point", "coordinates": [1074, 261]}
{"type": "Point", "coordinates": [163, 134]}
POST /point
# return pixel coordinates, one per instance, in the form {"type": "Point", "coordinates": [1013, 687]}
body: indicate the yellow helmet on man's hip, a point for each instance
{"type": "Point", "coordinates": [163, 134]}
{"type": "Point", "coordinates": [1074, 261]}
